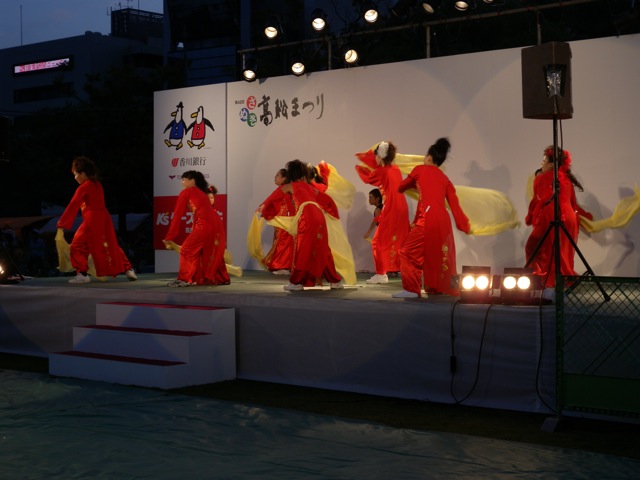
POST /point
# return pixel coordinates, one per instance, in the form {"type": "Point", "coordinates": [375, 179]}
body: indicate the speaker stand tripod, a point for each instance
{"type": "Point", "coordinates": [558, 227]}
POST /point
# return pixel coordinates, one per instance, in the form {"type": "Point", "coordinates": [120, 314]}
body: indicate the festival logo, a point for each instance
{"type": "Point", "coordinates": [269, 111]}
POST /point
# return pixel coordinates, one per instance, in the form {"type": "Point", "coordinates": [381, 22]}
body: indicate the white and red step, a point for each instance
{"type": "Point", "coordinates": [152, 345]}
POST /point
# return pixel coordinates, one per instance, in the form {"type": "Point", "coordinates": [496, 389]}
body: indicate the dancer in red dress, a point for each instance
{"type": "Point", "coordinates": [202, 253]}
{"type": "Point", "coordinates": [312, 258]}
{"type": "Point", "coordinates": [541, 214]}
{"type": "Point", "coordinates": [429, 253]}
{"type": "Point", "coordinates": [393, 224]}
{"type": "Point", "coordinates": [218, 273]}
{"type": "Point", "coordinates": [96, 235]}
{"type": "Point", "coordinates": [279, 258]}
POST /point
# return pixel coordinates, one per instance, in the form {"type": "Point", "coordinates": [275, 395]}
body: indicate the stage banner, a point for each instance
{"type": "Point", "coordinates": [190, 134]}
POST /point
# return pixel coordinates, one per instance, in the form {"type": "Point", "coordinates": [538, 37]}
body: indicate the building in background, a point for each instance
{"type": "Point", "coordinates": [53, 74]}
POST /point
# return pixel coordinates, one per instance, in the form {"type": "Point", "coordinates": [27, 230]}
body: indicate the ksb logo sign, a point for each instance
{"type": "Point", "coordinates": [163, 213]}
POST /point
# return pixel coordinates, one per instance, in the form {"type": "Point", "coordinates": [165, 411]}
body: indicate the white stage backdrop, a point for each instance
{"type": "Point", "coordinates": [475, 100]}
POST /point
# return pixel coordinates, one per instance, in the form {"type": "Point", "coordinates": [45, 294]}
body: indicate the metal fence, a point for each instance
{"type": "Point", "coordinates": [599, 346]}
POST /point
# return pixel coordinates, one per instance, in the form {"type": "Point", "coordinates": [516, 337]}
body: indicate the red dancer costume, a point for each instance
{"type": "Point", "coordinates": [280, 256]}
{"type": "Point", "coordinates": [393, 223]}
{"type": "Point", "coordinates": [429, 252]}
{"type": "Point", "coordinates": [214, 271]}
{"type": "Point", "coordinates": [312, 257]}
{"type": "Point", "coordinates": [202, 252]}
{"type": "Point", "coordinates": [96, 235]}
{"type": "Point", "coordinates": [541, 215]}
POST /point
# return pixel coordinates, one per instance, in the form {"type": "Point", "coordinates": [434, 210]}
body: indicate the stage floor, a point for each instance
{"type": "Point", "coordinates": [255, 283]}
{"type": "Point", "coordinates": [358, 339]}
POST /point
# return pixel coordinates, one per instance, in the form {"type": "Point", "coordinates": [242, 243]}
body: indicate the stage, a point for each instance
{"type": "Point", "coordinates": [359, 339]}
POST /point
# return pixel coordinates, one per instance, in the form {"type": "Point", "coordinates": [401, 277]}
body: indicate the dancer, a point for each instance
{"type": "Point", "coordinates": [393, 224]}
{"type": "Point", "coordinates": [96, 235]}
{"type": "Point", "coordinates": [278, 259]}
{"type": "Point", "coordinates": [375, 199]}
{"type": "Point", "coordinates": [227, 258]}
{"type": "Point", "coordinates": [541, 215]}
{"type": "Point", "coordinates": [202, 252]}
{"type": "Point", "coordinates": [219, 267]}
{"type": "Point", "coordinates": [316, 178]}
{"type": "Point", "coordinates": [220, 237]}
{"type": "Point", "coordinates": [312, 257]}
{"type": "Point", "coordinates": [429, 250]}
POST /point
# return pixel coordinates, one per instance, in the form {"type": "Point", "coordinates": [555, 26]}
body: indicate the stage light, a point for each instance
{"type": "Point", "coordinates": [297, 60]}
{"type": "Point", "coordinates": [350, 55]}
{"type": "Point", "coordinates": [475, 285]}
{"type": "Point", "coordinates": [297, 67]}
{"type": "Point", "coordinates": [462, 5]}
{"type": "Point", "coordinates": [370, 13]}
{"type": "Point", "coordinates": [6, 279]}
{"type": "Point", "coordinates": [249, 68]}
{"type": "Point", "coordinates": [518, 286]}
{"type": "Point", "coordinates": [318, 20]}
{"type": "Point", "coordinates": [272, 27]}
{"type": "Point", "coordinates": [428, 7]}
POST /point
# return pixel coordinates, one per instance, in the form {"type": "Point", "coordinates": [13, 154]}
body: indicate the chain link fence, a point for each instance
{"type": "Point", "coordinates": [599, 345]}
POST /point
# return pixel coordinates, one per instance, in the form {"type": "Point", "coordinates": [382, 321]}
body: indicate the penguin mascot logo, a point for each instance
{"type": "Point", "coordinates": [198, 128]}
{"type": "Point", "coordinates": [177, 128]}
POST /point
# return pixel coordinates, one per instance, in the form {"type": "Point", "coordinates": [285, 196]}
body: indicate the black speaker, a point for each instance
{"type": "Point", "coordinates": [546, 81]}
{"type": "Point", "coordinates": [4, 139]}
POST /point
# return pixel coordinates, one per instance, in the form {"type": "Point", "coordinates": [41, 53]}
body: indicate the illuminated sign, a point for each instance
{"type": "Point", "coordinates": [45, 65]}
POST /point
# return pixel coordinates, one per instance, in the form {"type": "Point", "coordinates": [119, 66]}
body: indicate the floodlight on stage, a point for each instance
{"type": "Point", "coordinates": [350, 55]}
{"type": "Point", "coordinates": [318, 20]}
{"type": "Point", "coordinates": [475, 285]}
{"type": "Point", "coordinates": [249, 68]}
{"type": "Point", "coordinates": [517, 285]}
{"type": "Point", "coordinates": [4, 277]}
{"type": "Point", "coordinates": [272, 27]}
{"type": "Point", "coordinates": [463, 6]}
{"type": "Point", "coordinates": [297, 67]}
{"type": "Point", "coordinates": [428, 7]}
{"type": "Point", "coordinates": [370, 13]}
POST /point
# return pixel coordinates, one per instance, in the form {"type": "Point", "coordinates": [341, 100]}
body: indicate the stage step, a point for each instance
{"type": "Point", "coordinates": [129, 342]}
{"type": "Point", "coordinates": [150, 345]}
{"type": "Point", "coordinates": [164, 317]}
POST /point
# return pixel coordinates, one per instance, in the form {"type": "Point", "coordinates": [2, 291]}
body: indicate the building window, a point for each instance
{"type": "Point", "coordinates": [46, 92]}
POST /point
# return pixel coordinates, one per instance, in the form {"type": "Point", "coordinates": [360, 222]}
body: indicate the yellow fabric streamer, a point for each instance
{"type": "Point", "coordinates": [232, 269]}
{"type": "Point", "coordinates": [490, 211]}
{"type": "Point", "coordinates": [406, 163]}
{"type": "Point", "coordinates": [341, 250]}
{"type": "Point", "coordinates": [64, 254]}
{"type": "Point", "coordinates": [340, 189]}
{"type": "Point", "coordinates": [171, 245]}
{"type": "Point", "coordinates": [626, 209]}
{"type": "Point", "coordinates": [254, 239]}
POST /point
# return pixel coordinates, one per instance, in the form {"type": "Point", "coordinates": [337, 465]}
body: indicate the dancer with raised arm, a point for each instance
{"type": "Point", "coordinates": [428, 256]}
